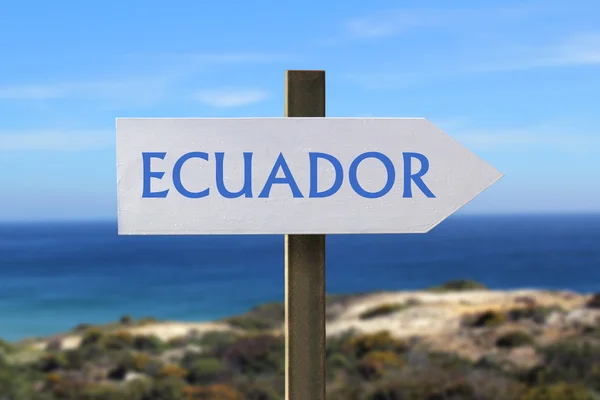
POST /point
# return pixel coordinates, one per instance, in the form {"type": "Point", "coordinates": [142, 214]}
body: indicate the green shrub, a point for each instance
{"type": "Point", "coordinates": [137, 362]}
{"type": "Point", "coordinates": [52, 362]}
{"type": "Point", "coordinates": [140, 363]}
{"type": "Point", "coordinates": [429, 385]}
{"type": "Point", "coordinates": [271, 312]}
{"type": "Point", "coordinates": [449, 361]}
{"type": "Point", "coordinates": [386, 358]}
{"type": "Point", "coordinates": [5, 347]}
{"type": "Point", "coordinates": [87, 354]}
{"type": "Point", "coordinates": [369, 370]}
{"type": "Point", "coordinates": [150, 343]}
{"type": "Point", "coordinates": [126, 320]}
{"type": "Point", "coordinates": [489, 319]}
{"type": "Point", "coordinates": [215, 391]}
{"type": "Point", "coordinates": [82, 328]}
{"type": "Point", "coordinates": [248, 323]}
{"type": "Point", "coordinates": [514, 339]}
{"type": "Point", "coordinates": [392, 390]}
{"type": "Point", "coordinates": [100, 391]}
{"type": "Point", "coordinates": [177, 342]}
{"type": "Point", "coordinates": [118, 341]}
{"type": "Point", "coordinates": [92, 336]}
{"type": "Point", "coordinates": [259, 391]}
{"type": "Point", "coordinates": [570, 361]}
{"type": "Point", "coordinates": [256, 354]}
{"type": "Point", "coordinates": [559, 391]}
{"type": "Point", "coordinates": [147, 321]}
{"type": "Point", "coordinates": [594, 302]}
{"type": "Point", "coordinates": [75, 358]}
{"type": "Point", "coordinates": [18, 382]}
{"type": "Point", "coordinates": [216, 340]}
{"type": "Point", "coordinates": [203, 370]}
{"type": "Point", "coordinates": [354, 390]}
{"type": "Point", "coordinates": [263, 317]}
{"type": "Point", "coordinates": [337, 361]}
{"type": "Point", "coordinates": [338, 343]}
{"type": "Point", "coordinates": [380, 341]}
{"type": "Point", "coordinates": [53, 378]}
{"type": "Point", "coordinates": [168, 389]}
{"type": "Point", "coordinates": [459, 285]}
{"type": "Point", "coordinates": [373, 364]}
{"type": "Point", "coordinates": [458, 389]}
{"type": "Point", "coordinates": [138, 389]}
{"type": "Point", "coordinates": [118, 373]}
{"type": "Point", "coordinates": [172, 371]}
{"type": "Point", "coordinates": [382, 310]}
{"type": "Point", "coordinates": [54, 345]}
{"type": "Point", "coordinates": [538, 314]}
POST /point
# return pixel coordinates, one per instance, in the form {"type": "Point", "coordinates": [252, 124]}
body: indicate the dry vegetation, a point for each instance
{"type": "Point", "coordinates": [458, 341]}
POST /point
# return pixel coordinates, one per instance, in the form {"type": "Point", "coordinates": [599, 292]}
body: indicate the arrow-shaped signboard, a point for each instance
{"type": "Point", "coordinates": [291, 175]}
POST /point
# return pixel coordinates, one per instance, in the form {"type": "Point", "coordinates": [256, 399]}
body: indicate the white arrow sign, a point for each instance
{"type": "Point", "coordinates": [291, 176]}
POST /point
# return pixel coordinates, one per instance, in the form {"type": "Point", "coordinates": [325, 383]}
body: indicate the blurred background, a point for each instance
{"type": "Point", "coordinates": [515, 82]}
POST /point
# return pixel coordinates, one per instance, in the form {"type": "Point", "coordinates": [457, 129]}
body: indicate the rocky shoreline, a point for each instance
{"type": "Point", "coordinates": [373, 340]}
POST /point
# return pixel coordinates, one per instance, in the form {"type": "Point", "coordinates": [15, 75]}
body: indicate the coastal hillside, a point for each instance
{"type": "Point", "coordinates": [456, 341]}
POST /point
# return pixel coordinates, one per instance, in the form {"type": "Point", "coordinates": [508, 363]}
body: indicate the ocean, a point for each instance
{"type": "Point", "coordinates": [54, 276]}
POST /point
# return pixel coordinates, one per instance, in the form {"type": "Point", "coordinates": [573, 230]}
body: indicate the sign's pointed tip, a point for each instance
{"type": "Point", "coordinates": [494, 174]}
{"type": "Point", "coordinates": [499, 175]}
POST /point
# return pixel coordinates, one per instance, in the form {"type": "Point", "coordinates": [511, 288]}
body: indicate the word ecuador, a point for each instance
{"type": "Point", "coordinates": [280, 167]}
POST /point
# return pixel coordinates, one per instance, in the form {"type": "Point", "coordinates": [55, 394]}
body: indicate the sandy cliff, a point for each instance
{"type": "Point", "coordinates": [447, 321]}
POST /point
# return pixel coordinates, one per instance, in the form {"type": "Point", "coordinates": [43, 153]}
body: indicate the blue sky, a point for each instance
{"type": "Point", "coordinates": [517, 82]}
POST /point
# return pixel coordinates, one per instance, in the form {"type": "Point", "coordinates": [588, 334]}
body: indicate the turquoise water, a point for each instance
{"type": "Point", "coordinates": [55, 276]}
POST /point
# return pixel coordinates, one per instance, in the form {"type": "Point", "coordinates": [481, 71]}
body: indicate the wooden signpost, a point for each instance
{"type": "Point", "coordinates": [305, 268]}
{"type": "Point", "coordinates": [303, 176]}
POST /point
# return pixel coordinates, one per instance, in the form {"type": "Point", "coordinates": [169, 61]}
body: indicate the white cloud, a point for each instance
{"type": "Point", "coordinates": [468, 41]}
{"type": "Point", "coordinates": [582, 49]}
{"type": "Point", "coordinates": [557, 135]}
{"type": "Point", "coordinates": [135, 89]}
{"type": "Point", "coordinates": [225, 58]}
{"type": "Point", "coordinates": [397, 21]}
{"type": "Point", "coordinates": [56, 140]}
{"type": "Point", "coordinates": [525, 139]}
{"type": "Point", "coordinates": [226, 98]}
{"type": "Point", "coordinates": [577, 49]}
{"type": "Point", "coordinates": [32, 92]}
{"type": "Point", "coordinates": [139, 90]}
{"type": "Point", "coordinates": [392, 22]}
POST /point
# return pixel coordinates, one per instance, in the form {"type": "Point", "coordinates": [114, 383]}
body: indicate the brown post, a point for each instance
{"type": "Point", "coordinates": [305, 268]}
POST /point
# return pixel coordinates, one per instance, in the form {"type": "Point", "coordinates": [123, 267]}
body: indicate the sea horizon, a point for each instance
{"type": "Point", "coordinates": [55, 275]}
{"type": "Point", "coordinates": [458, 214]}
